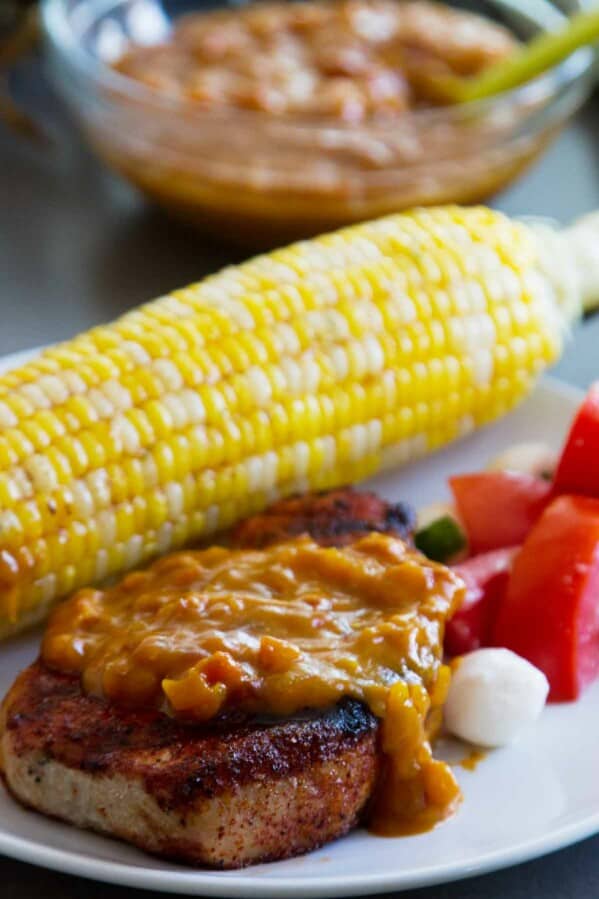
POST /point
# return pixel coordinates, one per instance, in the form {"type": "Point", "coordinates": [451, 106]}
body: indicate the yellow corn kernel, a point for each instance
{"type": "Point", "coordinates": [308, 368]}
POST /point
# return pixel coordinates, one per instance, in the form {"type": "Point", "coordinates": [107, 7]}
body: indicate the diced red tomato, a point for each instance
{"type": "Point", "coordinates": [486, 577]}
{"type": "Point", "coordinates": [550, 612]}
{"type": "Point", "coordinates": [578, 467]}
{"type": "Point", "coordinates": [498, 508]}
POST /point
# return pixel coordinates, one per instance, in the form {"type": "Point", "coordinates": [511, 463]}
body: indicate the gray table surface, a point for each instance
{"type": "Point", "coordinates": [78, 247]}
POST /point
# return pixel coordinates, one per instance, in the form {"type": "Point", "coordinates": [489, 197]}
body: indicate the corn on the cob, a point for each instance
{"type": "Point", "coordinates": [311, 367]}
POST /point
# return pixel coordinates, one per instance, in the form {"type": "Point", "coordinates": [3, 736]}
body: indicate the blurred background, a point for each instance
{"type": "Point", "coordinates": [113, 193]}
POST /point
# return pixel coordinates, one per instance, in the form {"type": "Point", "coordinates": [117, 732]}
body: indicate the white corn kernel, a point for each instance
{"type": "Point", "coordinates": [168, 373]}
{"type": "Point", "coordinates": [8, 419]}
{"type": "Point", "coordinates": [259, 386]}
{"type": "Point", "coordinates": [54, 388]}
{"type": "Point", "coordinates": [42, 473]}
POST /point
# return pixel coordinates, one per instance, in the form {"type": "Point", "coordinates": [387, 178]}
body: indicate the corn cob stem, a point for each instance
{"type": "Point", "coordinates": [309, 368]}
{"type": "Point", "coordinates": [582, 240]}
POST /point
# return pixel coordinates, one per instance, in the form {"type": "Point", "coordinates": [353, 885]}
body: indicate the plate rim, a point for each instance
{"type": "Point", "coordinates": [234, 884]}
{"type": "Point", "coordinates": [225, 884]}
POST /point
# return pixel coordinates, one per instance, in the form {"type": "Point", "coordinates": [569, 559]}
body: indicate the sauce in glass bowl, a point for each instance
{"type": "Point", "coordinates": [268, 122]}
{"type": "Point", "coordinates": [351, 60]}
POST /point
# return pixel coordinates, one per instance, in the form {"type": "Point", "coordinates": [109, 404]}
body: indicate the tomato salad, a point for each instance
{"type": "Point", "coordinates": [524, 535]}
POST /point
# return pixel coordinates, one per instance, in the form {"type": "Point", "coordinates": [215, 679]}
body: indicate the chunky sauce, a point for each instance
{"type": "Point", "coordinates": [273, 631]}
{"type": "Point", "coordinates": [347, 59]}
{"type": "Point", "coordinates": [285, 120]}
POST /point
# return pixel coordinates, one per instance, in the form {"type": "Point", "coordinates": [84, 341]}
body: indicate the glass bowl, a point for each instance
{"type": "Point", "coordinates": [249, 177]}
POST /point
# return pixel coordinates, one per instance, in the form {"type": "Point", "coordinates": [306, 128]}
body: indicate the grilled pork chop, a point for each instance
{"type": "Point", "coordinates": [223, 795]}
{"type": "Point", "coordinates": [227, 794]}
{"type": "Point", "coordinates": [333, 519]}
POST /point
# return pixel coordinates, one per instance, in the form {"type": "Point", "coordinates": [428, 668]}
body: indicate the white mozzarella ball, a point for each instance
{"type": "Point", "coordinates": [494, 696]}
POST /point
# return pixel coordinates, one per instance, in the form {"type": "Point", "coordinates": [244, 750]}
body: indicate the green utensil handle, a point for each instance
{"type": "Point", "coordinates": [543, 52]}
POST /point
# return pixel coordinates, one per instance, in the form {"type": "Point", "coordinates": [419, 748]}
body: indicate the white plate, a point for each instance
{"type": "Point", "coordinates": [520, 802]}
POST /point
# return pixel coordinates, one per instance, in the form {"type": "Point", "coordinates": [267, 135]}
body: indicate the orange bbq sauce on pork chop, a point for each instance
{"type": "Point", "coordinates": [276, 630]}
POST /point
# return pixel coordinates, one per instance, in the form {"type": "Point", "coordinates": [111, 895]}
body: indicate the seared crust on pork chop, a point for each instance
{"type": "Point", "coordinates": [224, 795]}
{"type": "Point", "coordinates": [335, 518]}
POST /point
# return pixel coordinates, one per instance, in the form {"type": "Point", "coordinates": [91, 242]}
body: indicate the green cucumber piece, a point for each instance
{"type": "Point", "coordinates": [441, 539]}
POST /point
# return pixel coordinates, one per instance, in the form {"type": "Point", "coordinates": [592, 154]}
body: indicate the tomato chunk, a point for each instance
{"type": "Point", "coordinates": [578, 467]}
{"type": "Point", "coordinates": [498, 508]}
{"type": "Point", "coordinates": [486, 577]}
{"type": "Point", "coordinates": [550, 612]}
